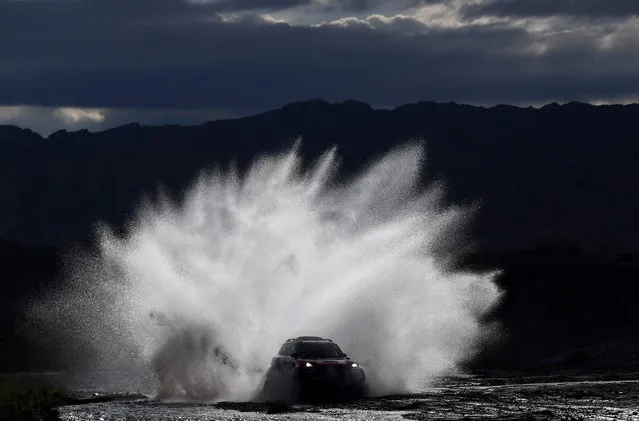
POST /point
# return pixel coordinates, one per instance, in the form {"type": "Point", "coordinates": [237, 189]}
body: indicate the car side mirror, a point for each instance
{"type": "Point", "coordinates": [344, 355]}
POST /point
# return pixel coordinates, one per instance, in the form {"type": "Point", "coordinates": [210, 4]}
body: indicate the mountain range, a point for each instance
{"type": "Point", "coordinates": [559, 175]}
{"type": "Point", "coordinates": [556, 172]}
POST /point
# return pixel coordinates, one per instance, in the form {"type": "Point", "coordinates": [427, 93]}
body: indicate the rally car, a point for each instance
{"type": "Point", "coordinates": [312, 366]}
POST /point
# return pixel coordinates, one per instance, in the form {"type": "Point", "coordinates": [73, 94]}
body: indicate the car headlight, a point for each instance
{"type": "Point", "coordinates": [308, 365]}
{"type": "Point", "coordinates": [354, 365]}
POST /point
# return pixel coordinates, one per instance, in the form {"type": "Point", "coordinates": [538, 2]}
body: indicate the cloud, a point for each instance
{"type": "Point", "coordinates": [72, 115]}
{"type": "Point", "coordinates": [47, 120]}
{"type": "Point", "coordinates": [372, 5]}
{"type": "Point", "coordinates": [544, 8]}
{"type": "Point", "coordinates": [398, 23]}
{"type": "Point", "coordinates": [173, 55]}
{"type": "Point", "coordinates": [238, 5]}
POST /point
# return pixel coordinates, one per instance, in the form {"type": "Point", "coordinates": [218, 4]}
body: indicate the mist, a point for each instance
{"type": "Point", "coordinates": [198, 296]}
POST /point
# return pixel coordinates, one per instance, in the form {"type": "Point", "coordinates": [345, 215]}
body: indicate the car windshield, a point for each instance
{"type": "Point", "coordinates": [318, 350]}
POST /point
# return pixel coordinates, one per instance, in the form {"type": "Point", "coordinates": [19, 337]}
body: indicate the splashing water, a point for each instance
{"type": "Point", "coordinates": [204, 293]}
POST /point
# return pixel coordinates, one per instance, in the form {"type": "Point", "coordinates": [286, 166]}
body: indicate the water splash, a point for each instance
{"type": "Point", "coordinates": [203, 293]}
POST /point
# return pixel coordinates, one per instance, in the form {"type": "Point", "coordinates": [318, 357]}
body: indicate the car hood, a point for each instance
{"type": "Point", "coordinates": [325, 361]}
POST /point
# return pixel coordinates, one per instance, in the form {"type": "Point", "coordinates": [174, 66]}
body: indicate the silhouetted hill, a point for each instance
{"type": "Point", "coordinates": [25, 272]}
{"type": "Point", "coordinates": [564, 308]}
{"type": "Point", "coordinates": [562, 171]}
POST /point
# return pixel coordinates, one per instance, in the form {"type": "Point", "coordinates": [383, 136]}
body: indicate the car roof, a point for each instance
{"type": "Point", "coordinates": [309, 339]}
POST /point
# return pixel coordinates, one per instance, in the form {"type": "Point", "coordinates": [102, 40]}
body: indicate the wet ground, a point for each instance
{"type": "Point", "coordinates": [469, 398]}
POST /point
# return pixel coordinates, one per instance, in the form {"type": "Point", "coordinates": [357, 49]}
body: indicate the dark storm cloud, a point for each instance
{"type": "Point", "coordinates": [38, 14]}
{"type": "Point", "coordinates": [367, 5]}
{"type": "Point", "coordinates": [239, 5]}
{"type": "Point", "coordinates": [543, 8]}
{"type": "Point", "coordinates": [169, 54]}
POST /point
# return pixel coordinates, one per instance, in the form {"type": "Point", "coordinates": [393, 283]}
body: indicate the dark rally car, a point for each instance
{"type": "Point", "coordinates": [311, 365]}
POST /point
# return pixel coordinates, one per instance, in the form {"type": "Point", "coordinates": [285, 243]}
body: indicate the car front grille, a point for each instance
{"type": "Point", "coordinates": [327, 371]}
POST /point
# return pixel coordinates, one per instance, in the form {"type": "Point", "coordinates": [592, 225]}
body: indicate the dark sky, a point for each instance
{"type": "Point", "coordinates": [99, 63]}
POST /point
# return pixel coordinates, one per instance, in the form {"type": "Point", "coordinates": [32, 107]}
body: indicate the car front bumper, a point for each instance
{"type": "Point", "coordinates": [331, 376]}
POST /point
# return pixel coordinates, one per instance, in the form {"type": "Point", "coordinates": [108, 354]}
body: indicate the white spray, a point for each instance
{"type": "Point", "coordinates": [203, 293]}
